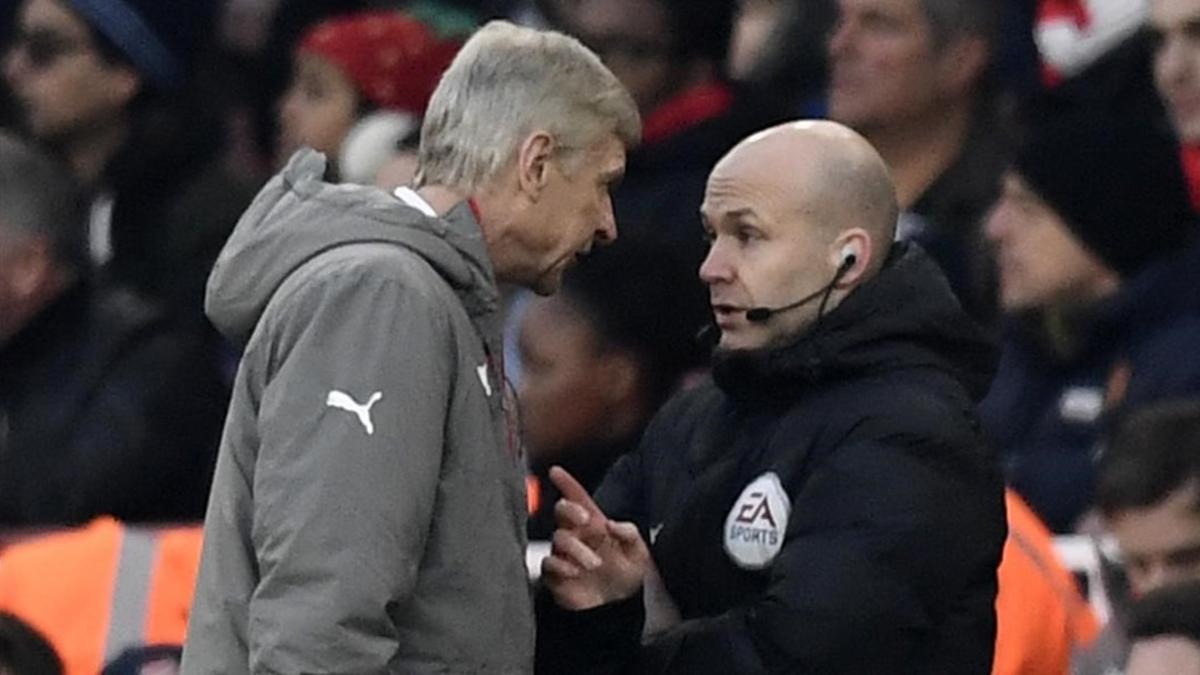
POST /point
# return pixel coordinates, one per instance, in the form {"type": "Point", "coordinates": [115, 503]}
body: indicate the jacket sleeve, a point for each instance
{"type": "Point", "coordinates": [351, 422]}
{"type": "Point", "coordinates": [879, 543]}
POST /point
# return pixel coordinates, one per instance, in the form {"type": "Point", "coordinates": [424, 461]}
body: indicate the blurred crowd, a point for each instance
{"type": "Point", "coordinates": [1046, 153]}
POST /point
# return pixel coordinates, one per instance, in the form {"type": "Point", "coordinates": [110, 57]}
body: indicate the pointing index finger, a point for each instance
{"type": "Point", "coordinates": [572, 490]}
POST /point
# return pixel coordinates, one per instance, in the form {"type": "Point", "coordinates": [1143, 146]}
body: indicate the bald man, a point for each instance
{"type": "Point", "coordinates": [822, 504]}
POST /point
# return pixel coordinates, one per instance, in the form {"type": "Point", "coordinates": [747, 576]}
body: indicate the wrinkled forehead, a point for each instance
{"type": "Point", "coordinates": [606, 155]}
{"type": "Point", "coordinates": [776, 178]}
{"type": "Point", "coordinates": [749, 191]}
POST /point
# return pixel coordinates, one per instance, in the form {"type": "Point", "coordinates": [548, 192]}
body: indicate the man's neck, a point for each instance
{"type": "Point", "coordinates": [920, 151]}
{"type": "Point", "coordinates": [440, 198]}
{"type": "Point", "coordinates": [89, 154]}
{"type": "Point", "coordinates": [496, 221]}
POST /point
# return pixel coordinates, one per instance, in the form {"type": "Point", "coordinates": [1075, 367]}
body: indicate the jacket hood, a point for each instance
{"type": "Point", "coordinates": [297, 216]}
{"type": "Point", "coordinates": [905, 317]}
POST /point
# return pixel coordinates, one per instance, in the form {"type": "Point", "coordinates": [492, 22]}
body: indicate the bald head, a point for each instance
{"type": "Point", "coordinates": [822, 171]}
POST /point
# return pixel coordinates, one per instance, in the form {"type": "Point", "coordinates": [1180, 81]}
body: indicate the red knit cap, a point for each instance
{"type": "Point", "coordinates": [394, 60]}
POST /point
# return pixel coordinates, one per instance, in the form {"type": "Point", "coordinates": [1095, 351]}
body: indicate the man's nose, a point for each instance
{"type": "Point", "coordinates": [996, 222]}
{"type": "Point", "coordinates": [606, 230]}
{"type": "Point", "coordinates": [715, 267]}
{"type": "Point", "coordinates": [840, 38]}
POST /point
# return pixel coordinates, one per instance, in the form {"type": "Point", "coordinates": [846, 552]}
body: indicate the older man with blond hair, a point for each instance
{"type": "Point", "coordinates": [369, 508]}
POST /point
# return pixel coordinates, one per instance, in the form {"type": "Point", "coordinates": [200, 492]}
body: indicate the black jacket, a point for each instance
{"type": "Point", "coordinates": [887, 561]}
{"type": "Point", "coordinates": [105, 409]}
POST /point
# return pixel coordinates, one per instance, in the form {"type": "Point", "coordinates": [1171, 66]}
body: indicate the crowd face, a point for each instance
{"type": "Point", "coordinates": [565, 389]}
{"type": "Point", "coordinates": [763, 253]}
{"type": "Point", "coordinates": [884, 66]}
{"type": "Point", "coordinates": [633, 38]}
{"type": "Point", "coordinates": [64, 86]}
{"type": "Point", "coordinates": [317, 110]}
{"type": "Point", "coordinates": [1041, 264]}
{"type": "Point", "coordinates": [572, 213]}
{"type": "Point", "coordinates": [1176, 26]}
{"type": "Point", "coordinates": [1160, 544]}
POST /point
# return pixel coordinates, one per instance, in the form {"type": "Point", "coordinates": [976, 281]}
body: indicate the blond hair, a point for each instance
{"type": "Point", "coordinates": [507, 82]}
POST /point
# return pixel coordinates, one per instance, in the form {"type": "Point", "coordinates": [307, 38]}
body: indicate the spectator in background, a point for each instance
{"type": "Point", "coordinates": [272, 63]}
{"type": "Point", "coordinates": [1073, 35]}
{"type": "Point", "coordinates": [779, 46]}
{"type": "Point", "coordinates": [109, 86]}
{"type": "Point", "coordinates": [104, 407]}
{"type": "Point", "coordinates": [1148, 490]}
{"type": "Point", "coordinates": [1165, 630]}
{"type": "Point", "coordinates": [1096, 54]}
{"type": "Point", "coordinates": [1177, 75]}
{"type": "Point", "coordinates": [1091, 204]}
{"type": "Point", "coordinates": [359, 88]}
{"type": "Point", "coordinates": [915, 77]}
{"type": "Point", "coordinates": [23, 651]}
{"type": "Point", "coordinates": [671, 55]}
{"type": "Point", "coordinates": [599, 359]}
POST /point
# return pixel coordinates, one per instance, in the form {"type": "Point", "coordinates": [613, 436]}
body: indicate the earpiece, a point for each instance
{"type": "Point", "coordinates": [849, 256]}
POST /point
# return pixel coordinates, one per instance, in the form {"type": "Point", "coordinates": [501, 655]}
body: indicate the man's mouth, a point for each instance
{"type": "Point", "coordinates": [724, 314]}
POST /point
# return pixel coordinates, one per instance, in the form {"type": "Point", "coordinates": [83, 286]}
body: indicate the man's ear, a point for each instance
{"type": "Point", "coordinates": [534, 157]}
{"type": "Point", "coordinates": [963, 62]}
{"type": "Point", "coordinates": [852, 248]}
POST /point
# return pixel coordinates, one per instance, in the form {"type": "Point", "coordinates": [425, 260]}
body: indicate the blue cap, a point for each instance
{"type": "Point", "coordinates": [159, 37]}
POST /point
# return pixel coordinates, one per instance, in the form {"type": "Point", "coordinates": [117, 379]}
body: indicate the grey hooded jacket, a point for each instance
{"type": "Point", "coordinates": [367, 514]}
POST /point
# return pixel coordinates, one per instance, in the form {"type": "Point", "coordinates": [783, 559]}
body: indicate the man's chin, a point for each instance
{"type": "Point", "coordinates": [735, 344]}
{"type": "Point", "coordinates": [547, 284]}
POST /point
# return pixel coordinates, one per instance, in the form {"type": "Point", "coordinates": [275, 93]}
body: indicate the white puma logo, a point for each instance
{"type": "Point", "coordinates": [342, 400]}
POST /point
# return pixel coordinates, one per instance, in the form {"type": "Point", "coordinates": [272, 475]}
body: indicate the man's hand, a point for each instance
{"type": "Point", "coordinates": [593, 561]}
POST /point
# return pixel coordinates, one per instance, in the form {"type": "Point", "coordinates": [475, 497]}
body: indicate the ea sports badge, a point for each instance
{"type": "Point", "coordinates": [756, 524]}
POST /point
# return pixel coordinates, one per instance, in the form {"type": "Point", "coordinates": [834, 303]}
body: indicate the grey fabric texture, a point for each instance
{"type": "Point", "coordinates": [367, 514]}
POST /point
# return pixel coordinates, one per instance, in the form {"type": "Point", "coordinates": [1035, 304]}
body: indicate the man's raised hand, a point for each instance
{"type": "Point", "coordinates": [593, 560]}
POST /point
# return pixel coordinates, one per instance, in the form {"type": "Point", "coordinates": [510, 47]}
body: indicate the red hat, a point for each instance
{"type": "Point", "coordinates": [394, 60]}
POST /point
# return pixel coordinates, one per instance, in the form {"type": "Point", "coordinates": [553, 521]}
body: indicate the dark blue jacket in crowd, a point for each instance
{"type": "Point", "coordinates": [1049, 406]}
{"type": "Point", "coordinates": [106, 408]}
